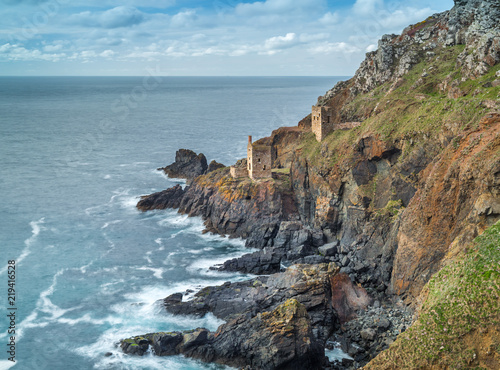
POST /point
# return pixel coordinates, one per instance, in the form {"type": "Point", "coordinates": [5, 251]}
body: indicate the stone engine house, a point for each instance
{"type": "Point", "coordinates": [257, 165]}
{"type": "Point", "coordinates": [258, 160]}
{"type": "Point", "coordinates": [322, 122]}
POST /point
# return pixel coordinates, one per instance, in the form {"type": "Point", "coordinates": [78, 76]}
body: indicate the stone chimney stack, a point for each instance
{"type": "Point", "coordinates": [249, 139]}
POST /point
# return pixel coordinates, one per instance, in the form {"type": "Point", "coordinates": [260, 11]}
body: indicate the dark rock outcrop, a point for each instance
{"type": "Point", "coordinates": [188, 165]}
{"type": "Point", "coordinates": [308, 284]}
{"type": "Point", "coordinates": [277, 339]}
{"type": "Point", "coordinates": [214, 165]}
{"type": "Point", "coordinates": [170, 198]}
{"type": "Point", "coordinates": [239, 207]}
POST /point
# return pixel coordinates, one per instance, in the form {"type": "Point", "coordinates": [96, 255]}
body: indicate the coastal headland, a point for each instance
{"type": "Point", "coordinates": [375, 218]}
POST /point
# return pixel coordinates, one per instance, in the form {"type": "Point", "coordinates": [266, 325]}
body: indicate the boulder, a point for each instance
{"type": "Point", "coordinates": [277, 339]}
{"type": "Point", "coordinates": [347, 298]}
{"type": "Point", "coordinates": [368, 334]}
{"type": "Point", "coordinates": [329, 249]}
{"type": "Point", "coordinates": [308, 284]}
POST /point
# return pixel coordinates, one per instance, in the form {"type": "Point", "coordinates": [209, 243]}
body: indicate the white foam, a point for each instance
{"type": "Point", "coordinates": [4, 364]}
{"type": "Point", "coordinates": [107, 177]}
{"type": "Point", "coordinates": [130, 202]}
{"type": "Point", "coordinates": [175, 180]}
{"type": "Point", "coordinates": [118, 360]}
{"type": "Point", "coordinates": [202, 266]}
{"type": "Point", "coordinates": [147, 258]}
{"type": "Point", "coordinates": [336, 354]}
{"type": "Point", "coordinates": [176, 220]}
{"type": "Point", "coordinates": [36, 228]}
{"type": "Point", "coordinates": [106, 224]}
{"type": "Point", "coordinates": [157, 272]}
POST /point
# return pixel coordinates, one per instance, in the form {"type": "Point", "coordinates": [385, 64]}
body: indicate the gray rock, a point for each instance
{"type": "Point", "coordinates": [187, 165]}
{"type": "Point", "coordinates": [329, 249]}
{"type": "Point", "coordinates": [368, 334]}
{"type": "Point", "coordinates": [214, 165]}
{"type": "Point", "coordinates": [383, 324]}
{"type": "Point", "coordinates": [345, 261]}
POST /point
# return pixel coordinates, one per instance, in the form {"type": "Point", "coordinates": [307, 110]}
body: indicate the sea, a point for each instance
{"type": "Point", "coordinates": [81, 267]}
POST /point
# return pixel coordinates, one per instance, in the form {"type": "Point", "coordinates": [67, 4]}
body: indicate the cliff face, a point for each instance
{"type": "Point", "coordinates": [397, 193]}
{"type": "Point", "coordinates": [239, 207]}
{"type": "Point", "coordinates": [390, 202]}
{"type": "Point", "coordinates": [421, 173]}
{"type": "Point", "coordinates": [418, 175]}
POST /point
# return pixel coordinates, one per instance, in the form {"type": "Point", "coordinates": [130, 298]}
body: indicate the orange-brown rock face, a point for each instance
{"type": "Point", "coordinates": [459, 196]}
{"type": "Point", "coordinates": [347, 298]}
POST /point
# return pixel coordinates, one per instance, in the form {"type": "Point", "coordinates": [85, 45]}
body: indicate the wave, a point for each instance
{"type": "Point", "coordinates": [4, 364]}
{"type": "Point", "coordinates": [336, 355]}
{"type": "Point", "coordinates": [106, 224]}
{"type": "Point", "coordinates": [176, 220]}
{"type": "Point", "coordinates": [202, 266]}
{"type": "Point", "coordinates": [45, 306]}
{"type": "Point", "coordinates": [118, 360]}
{"type": "Point", "coordinates": [157, 272]}
{"type": "Point", "coordinates": [121, 197]}
{"type": "Point", "coordinates": [36, 228]}
{"type": "Point", "coordinates": [181, 182]}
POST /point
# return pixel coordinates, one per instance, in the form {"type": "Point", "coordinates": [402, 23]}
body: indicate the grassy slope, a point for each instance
{"type": "Point", "coordinates": [412, 112]}
{"type": "Point", "coordinates": [416, 107]}
{"type": "Point", "coordinates": [459, 322]}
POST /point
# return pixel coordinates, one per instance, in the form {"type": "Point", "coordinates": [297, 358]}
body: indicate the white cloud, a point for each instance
{"type": "Point", "coordinates": [277, 6]}
{"type": "Point", "coordinates": [333, 47]}
{"type": "Point", "coordinates": [306, 38]}
{"type": "Point", "coordinates": [51, 48]}
{"type": "Point", "coordinates": [367, 7]}
{"type": "Point", "coordinates": [330, 18]}
{"type": "Point", "coordinates": [120, 16]}
{"type": "Point", "coordinates": [17, 52]}
{"type": "Point", "coordinates": [183, 19]}
{"type": "Point", "coordinates": [371, 47]}
{"type": "Point", "coordinates": [107, 53]}
{"type": "Point", "coordinates": [281, 42]}
{"type": "Point", "coordinates": [404, 16]}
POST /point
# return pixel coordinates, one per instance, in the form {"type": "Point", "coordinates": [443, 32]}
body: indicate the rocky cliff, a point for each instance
{"type": "Point", "coordinates": [392, 201]}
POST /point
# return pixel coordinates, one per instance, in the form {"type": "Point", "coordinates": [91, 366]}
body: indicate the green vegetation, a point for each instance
{"type": "Point", "coordinates": [285, 171]}
{"type": "Point", "coordinates": [419, 105]}
{"type": "Point", "coordinates": [459, 322]}
{"type": "Point", "coordinates": [391, 209]}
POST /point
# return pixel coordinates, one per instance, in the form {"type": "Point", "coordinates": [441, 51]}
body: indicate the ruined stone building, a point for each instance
{"type": "Point", "coordinates": [239, 169]}
{"type": "Point", "coordinates": [323, 122]}
{"type": "Point", "coordinates": [257, 165]}
{"type": "Point", "coordinates": [258, 160]}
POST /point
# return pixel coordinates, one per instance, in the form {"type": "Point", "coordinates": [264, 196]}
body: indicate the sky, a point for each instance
{"type": "Point", "coordinates": [198, 38]}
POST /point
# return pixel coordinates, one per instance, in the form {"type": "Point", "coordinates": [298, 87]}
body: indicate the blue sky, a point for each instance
{"type": "Point", "coordinates": [198, 38]}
